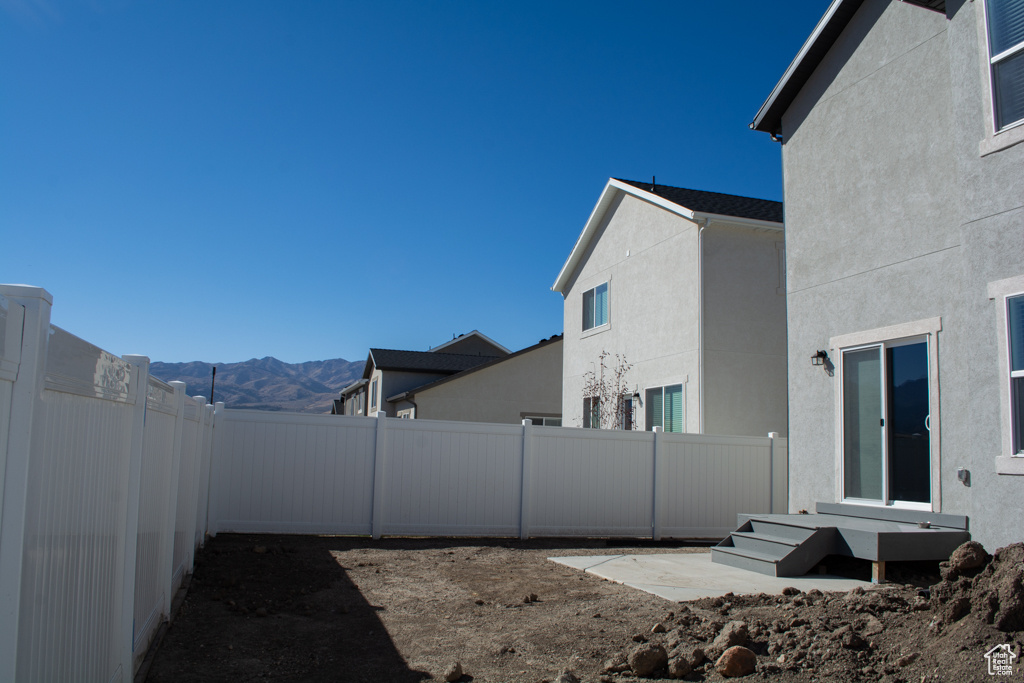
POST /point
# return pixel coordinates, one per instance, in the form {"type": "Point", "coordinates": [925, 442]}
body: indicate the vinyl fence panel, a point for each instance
{"type": "Point", "coordinates": [290, 473]}
{"type": "Point", "coordinates": [157, 459]}
{"type": "Point", "coordinates": [71, 589]}
{"type": "Point", "coordinates": [452, 478]}
{"type": "Point", "coordinates": [591, 482]}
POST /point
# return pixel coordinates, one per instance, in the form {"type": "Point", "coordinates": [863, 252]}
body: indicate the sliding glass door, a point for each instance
{"type": "Point", "coordinates": [885, 422]}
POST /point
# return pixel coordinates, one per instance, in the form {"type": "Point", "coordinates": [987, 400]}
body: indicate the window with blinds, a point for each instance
{"type": "Point", "coordinates": [595, 307]}
{"type": "Point", "coordinates": [1006, 54]}
{"type": "Point", "coordinates": [665, 408]}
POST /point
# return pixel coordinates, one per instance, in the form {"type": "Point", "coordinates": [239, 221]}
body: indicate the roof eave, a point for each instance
{"type": "Point", "coordinates": [611, 191]}
{"type": "Point", "coordinates": [754, 223]}
{"type": "Point", "coordinates": [769, 116]}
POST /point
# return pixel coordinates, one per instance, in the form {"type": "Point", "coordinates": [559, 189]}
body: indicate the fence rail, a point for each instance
{"type": "Point", "coordinates": [111, 478]}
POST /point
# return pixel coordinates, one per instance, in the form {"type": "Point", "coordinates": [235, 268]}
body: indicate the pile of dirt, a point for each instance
{"type": "Point", "coordinates": [896, 632]}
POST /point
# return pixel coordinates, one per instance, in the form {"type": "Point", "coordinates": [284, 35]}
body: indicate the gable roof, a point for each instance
{"type": "Point", "coordinates": [693, 205]}
{"type": "Point", "coordinates": [459, 375]}
{"type": "Point", "coordinates": [822, 38]}
{"type": "Point", "coordinates": [422, 361]}
{"type": "Point", "coordinates": [475, 333]}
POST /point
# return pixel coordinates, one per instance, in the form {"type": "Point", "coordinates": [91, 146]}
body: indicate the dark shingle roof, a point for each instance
{"type": "Point", "coordinates": [702, 201]}
{"type": "Point", "coordinates": [425, 361]}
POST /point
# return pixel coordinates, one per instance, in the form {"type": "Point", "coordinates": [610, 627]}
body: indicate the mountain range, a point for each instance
{"type": "Point", "coordinates": [266, 383]}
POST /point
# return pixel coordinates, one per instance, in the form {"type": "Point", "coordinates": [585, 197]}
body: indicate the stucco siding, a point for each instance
{"type": "Point", "coordinates": [648, 257]}
{"type": "Point", "coordinates": [501, 392]}
{"type": "Point", "coordinates": [897, 210]}
{"type": "Point", "coordinates": [744, 332]}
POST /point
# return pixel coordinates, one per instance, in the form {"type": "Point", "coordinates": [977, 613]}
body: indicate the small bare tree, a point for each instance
{"type": "Point", "coordinates": [606, 395]}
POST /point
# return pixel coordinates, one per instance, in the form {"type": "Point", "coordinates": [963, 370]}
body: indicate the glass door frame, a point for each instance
{"type": "Point", "coordinates": [897, 335]}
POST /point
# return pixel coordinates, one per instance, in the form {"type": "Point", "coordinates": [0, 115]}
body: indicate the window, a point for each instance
{"type": "Point", "coordinates": [595, 307]}
{"type": "Point", "coordinates": [544, 421]}
{"type": "Point", "coordinates": [625, 416]}
{"type": "Point", "coordinates": [373, 395]}
{"type": "Point", "coordinates": [665, 408]}
{"type": "Point", "coordinates": [592, 412]}
{"type": "Point", "coordinates": [1015, 334]}
{"type": "Point", "coordinates": [1006, 56]}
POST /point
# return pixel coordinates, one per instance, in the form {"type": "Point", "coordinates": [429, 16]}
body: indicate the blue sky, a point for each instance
{"type": "Point", "coordinates": [226, 180]}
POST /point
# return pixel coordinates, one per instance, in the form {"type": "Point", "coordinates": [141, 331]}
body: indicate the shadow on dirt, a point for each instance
{"type": "Point", "coordinates": [266, 607]}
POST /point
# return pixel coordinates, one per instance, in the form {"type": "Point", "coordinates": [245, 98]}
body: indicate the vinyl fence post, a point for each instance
{"type": "Point", "coordinates": [26, 393]}
{"type": "Point", "coordinates": [524, 484]}
{"type": "Point", "coordinates": [131, 527]}
{"type": "Point", "coordinates": [659, 435]}
{"type": "Point", "coordinates": [167, 567]}
{"type": "Point", "coordinates": [215, 438]}
{"type": "Point", "coordinates": [771, 471]}
{"type": "Point", "coordinates": [206, 444]}
{"type": "Point", "coordinates": [379, 454]}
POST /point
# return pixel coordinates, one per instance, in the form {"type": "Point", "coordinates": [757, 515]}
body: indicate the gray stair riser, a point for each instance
{"type": "Point", "coordinates": [740, 562]}
{"type": "Point", "coordinates": [795, 533]}
{"type": "Point", "coordinates": [762, 545]}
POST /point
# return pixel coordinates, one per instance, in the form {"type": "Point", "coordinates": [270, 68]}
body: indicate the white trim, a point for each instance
{"type": "Point", "coordinates": [999, 291]}
{"type": "Point", "coordinates": [795, 64]}
{"type": "Point", "coordinates": [928, 329]}
{"type": "Point", "coordinates": [1013, 134]}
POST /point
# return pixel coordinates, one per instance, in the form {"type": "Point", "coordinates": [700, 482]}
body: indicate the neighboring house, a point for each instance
{"type": "Point", "coordinates": [688, 286]}
{"type": "Point", "coordinates": [900, 125]}
{"type": "Point", "coordinates": [524, 384]}
{"type": "Point", "coordinates": [390, 371]}
{"type": "Point", "coordinates": [471, 378]}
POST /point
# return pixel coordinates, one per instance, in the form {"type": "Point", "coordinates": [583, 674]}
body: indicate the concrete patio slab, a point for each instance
{"type": "Point", "coordinates": [689, 576]}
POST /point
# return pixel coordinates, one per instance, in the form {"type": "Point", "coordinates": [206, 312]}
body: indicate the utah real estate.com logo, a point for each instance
{"type": "Point", "coordinates": [1000, 660]}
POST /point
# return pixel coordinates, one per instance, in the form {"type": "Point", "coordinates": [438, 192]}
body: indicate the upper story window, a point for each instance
{"type": "Point", "coordinates": [595, 307]}
{"type": "Point", "coordinates": [1006, 53]}
{"type": "Point", "coordinates": [373, 395]}
{"type": "Point", "coordinates": [592, 412]}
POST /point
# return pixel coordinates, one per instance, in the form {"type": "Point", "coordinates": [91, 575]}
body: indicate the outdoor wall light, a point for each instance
{"type": "Point", "coordinates": [819, 358]}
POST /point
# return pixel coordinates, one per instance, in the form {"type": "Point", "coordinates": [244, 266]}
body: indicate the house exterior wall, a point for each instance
{"type": "Point", "coordinates": [991, 220]}
{"type": "Point", "coordinates": [648, 257]}
{"type": "Point", "coordinates": [893, 217]}
{"type": "Point", "coordinates": [391, 382]}
{"type": "Point", "coordinates": [500, 393]}
{"type": "Point", "coordinates": [745, 331]}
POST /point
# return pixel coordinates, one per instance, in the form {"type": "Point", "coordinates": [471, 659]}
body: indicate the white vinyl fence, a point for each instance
{"type": "Point", "coordinates": [283, 473]}
{"type": "Point", "coordinates": [93, 540]}
{"type": "Point", "coordinates": [110, 479]}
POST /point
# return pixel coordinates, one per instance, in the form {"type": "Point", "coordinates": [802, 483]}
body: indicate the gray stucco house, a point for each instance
{"type": "Point", "coordinates": [688, 285]}
{"type": "Point", "coordinates": [900, 126]}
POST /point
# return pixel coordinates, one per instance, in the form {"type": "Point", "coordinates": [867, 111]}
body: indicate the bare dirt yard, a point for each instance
{"type": "Point", "coordinates": [302, 608]}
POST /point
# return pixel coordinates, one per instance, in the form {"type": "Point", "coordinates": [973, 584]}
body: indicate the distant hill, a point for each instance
{"type": "Point", "coordinates": [266, 383]}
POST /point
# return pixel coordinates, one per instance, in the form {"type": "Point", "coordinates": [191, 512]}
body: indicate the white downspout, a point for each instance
{"type": "Point", "coordinates": [702, 223]}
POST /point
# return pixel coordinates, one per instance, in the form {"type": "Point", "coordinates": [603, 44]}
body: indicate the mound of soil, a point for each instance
{"type": "Point", "coordinates": [291, 608]}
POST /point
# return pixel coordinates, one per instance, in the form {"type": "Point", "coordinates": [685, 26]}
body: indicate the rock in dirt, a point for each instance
{"type": "Point", "coordinates": [646, 660]}
{"type": "Point", "coordinates": [736, 661]}
{"type": "Point", "coordinates": [678, 667]}
{"type": "Point", "coordinates": [733, 633]}
{"type": "Point", "coordinates": [968, 557]}
{"type": "Point", "coordinates": [616, 664]}
{"type": "Point", "coordinates": [567, 677]}
{"type": "Point", "coordinates": [453, 672]}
